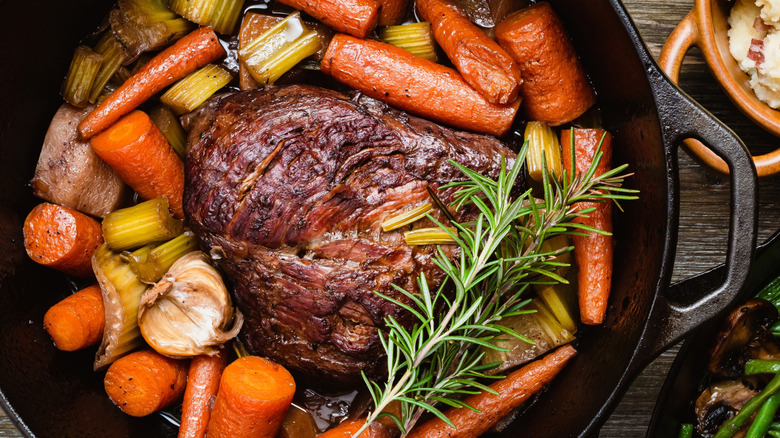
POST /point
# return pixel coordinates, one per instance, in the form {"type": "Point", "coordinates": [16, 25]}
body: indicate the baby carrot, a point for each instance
{"type": "Point", "coordinates": [62, 238]}
{"type": "Point", "coordinates": [139, 153]}
{"type": "Point", "coordinates": [355, 17]}
{"type": "Point", "coordinates": [513, 390]}
{"type": "Point", "coordinates": [593, 253]}
{"type": "Point", "coordinates": [479, 59]}
{"type": "Point", "coordinates": [254, 396]}
{"type": "Point", "coordinates": [392, 11]}
{"type": "Point", "coordinates": [77, 321]}
{"type": "Point", "coordinates": [185, 56]}
{"type": "Point", "coordinates": [145, 382]}
{"type": "Point", "coordinates": [202, 385]}
{"type": "Point", "coordinates": [413, 84]}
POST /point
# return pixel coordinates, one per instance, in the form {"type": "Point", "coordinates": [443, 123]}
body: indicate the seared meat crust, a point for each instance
{"type": "Point", "coordinates": [288, 187]}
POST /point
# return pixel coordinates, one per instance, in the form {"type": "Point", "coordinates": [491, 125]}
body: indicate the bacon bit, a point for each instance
{"type": "Point", "coordinates": [760, 26]}
{"type": "Point", "coordinates": [756, 52]}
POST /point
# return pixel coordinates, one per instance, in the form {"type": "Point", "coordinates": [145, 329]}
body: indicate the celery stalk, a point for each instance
{"type": "Point", "coordinates": [169, 125]}
{"type": "Point", "coordinates": [190, 92]}
{"type": "Point", "coordinates": [141, 224]}
{"type": "Point", "coordinates": [151, 266]}
{"type": "Point", "coordinates": [273, 53]}
{"type": "Point", "coordinates": [430, 236]}
{"type": "Point", "coordinates": [415, 38]}
{"type": "Point", "coordinates": [121, 295]}
{"type": "Point", "coordinates": [544, 151]}
{"type": "Point", "coordinates": [222, 15]}
{"type": "Point", "coordinates": [406, 218]}
{"type": "Point", "coordinates": [81, 76]}
{"type": "Point", "coordinates": [113, 57]}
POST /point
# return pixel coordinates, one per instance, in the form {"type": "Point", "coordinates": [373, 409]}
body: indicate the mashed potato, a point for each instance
{"type": "Point", "coordinates": [754, 42]}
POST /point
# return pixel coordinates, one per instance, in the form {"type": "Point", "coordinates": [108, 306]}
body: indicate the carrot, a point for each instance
{"type": "Point", "coordinates": [355, 17]}
{"type": "Point", "coordinates": [202, 384]}
{"type": "Point", "coordinates": [188, 54]}
{"type": "Point", "coordinates": [413, 84]}
{"type": "Point", "coordinates": [62, 238]}
{"type": "Point", "coordinates": [254, 396]}
{"type": "Point", "coordinates": [145, 382]}
{"type": "Point", "coordinates": [392, 11]}
{"type": "Point", "coordinates": [513, 390]}
{"type": "Point", "coordinates": [77, 321]}
{"type": "Point", "coordinates": [593, 253]}
{"type": "Point", "coordinates": [482, 62]}
{"type": "Point", "coordinates": [139, 153]}
{"type": "Point", "coordinates": [349, 428]}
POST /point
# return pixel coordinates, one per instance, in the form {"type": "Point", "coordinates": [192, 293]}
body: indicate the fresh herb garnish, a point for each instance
{"type": "Point", "coordinates": [439, 358]}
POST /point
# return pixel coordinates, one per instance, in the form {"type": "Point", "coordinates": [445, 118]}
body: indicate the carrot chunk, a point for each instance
{"type": "Point", "coordinates": [145, 382]}
{"type": "Point", "coordinates": [202, 384]}
{"type": "Point", "coordinates": [355, 17]}
{"type": "Point", "coordinates": [556, 89]}
{"type": "Point", "coordinates": [392, 11]}
{"type": "Point", "coordinates": [254, 396]}
{"type": "Point", "coordinates": [349, 428]}
{"type": "Point", "coordinates": [413, 84]}
{"type": "Point", "coordinates": [513, 390]}
{"type": "Point", "coordinates": [139, 153]}
{"type": "Point", "coordinates": [593, 253]}
{"type": "Point", "coordinates": [185, 56]}
{"type": "Point", "coordinates": [77, 321]}
{"type": "Point", "coordinates": [482, 62]}
{"type": "Point", "coordinates": [62, 238]}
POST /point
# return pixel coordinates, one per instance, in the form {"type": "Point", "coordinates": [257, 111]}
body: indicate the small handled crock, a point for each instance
{"type": "Point", "coordinates": [706, 27]}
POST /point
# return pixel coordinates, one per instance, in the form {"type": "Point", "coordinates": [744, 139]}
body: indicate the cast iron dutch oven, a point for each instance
{"type": "Point", "coordinates": [51, 393]}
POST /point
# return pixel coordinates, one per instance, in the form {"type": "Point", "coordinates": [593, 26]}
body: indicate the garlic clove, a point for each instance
{"type": "Point", "coordinates": [189, 311]}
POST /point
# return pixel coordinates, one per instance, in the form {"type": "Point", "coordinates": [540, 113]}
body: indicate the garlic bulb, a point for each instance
{"type": "Point", "coordinates": [189, 311]}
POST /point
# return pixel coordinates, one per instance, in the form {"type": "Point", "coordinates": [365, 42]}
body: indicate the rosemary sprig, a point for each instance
{"type": "Point", "coordinates": [439, 359]}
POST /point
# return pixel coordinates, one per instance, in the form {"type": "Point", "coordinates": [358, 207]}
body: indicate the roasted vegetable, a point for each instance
{"type": "Point", "coordinates": [136, 226]}
{"type": "Point", "coordinates": [278, 50]}
{"type": "Point", "coordinates": [81, 76]}
{"type": "Point", "coordinates": [544, 151]}
{"type": "Point", "coordinates": [406, 217]}
{"type": "Point", "coordinates": [169, 125]}
{"type": "Point", "coordinates": [150, 264]}
{"type": "Point", "coordinates": [121, 295]}
{"type": "Point", "coordinates": [222, 15]}
{"type": "Point", "coordinates": [113, 56]}
{"type": "Point", "coordinates": [190, 92]}
{"type": "Point", "coordinates": [430, 236]}
{"type": "Point", "coordinates": [144, 25]}
{"type": "Point", "coordinates": [415, 38]}
{"type": "Point", "coordinates": [189, 312]}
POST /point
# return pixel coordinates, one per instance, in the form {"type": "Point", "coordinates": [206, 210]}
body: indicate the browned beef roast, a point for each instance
{"type": "Point", "coordinates": [288, 187]}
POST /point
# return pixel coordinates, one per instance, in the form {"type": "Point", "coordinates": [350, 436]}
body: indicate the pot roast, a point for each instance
{"type": "Point", "coordinates": [287, 188]}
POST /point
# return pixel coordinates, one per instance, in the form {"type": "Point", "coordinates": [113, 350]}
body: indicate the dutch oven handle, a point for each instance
{"type": "Point", "coordinates": [682, 308]}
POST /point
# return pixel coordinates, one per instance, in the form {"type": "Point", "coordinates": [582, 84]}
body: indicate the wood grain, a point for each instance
{"type": "Point", "coordinates": [704, 205]}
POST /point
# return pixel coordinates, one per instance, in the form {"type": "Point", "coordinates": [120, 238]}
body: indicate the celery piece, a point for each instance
{"type": "Point", "coordinates": [415, 38]}
{"type": "Point", "coordinates": [151, 267]}
{"type": "Point", "coordinates": [544, 151]}
{"type": "Point", "coordinates": [144, 25]}
{"type": "Point", "coordinates": [141, 224]}
{"type": "Point", "coordinates": [163, 117]}
{"type": "Point", "coordinates": [273, 53]}
{"type": "Point", "coordinates": [81, 75]}
{"type": "Point", "coordinates": [121, 295]}
{"type": "Point", "coordinates": [222, 15]}
{"type": "Point", "coordinates": [113, 57]}
{"type": "Point", "coordinates": [430, 236]}
{"type": "Point", "coordinates": [406, 218]}
{"type": "Point", "coordinates": [190, 92]}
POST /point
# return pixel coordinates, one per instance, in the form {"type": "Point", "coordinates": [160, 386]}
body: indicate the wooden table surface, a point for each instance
{"type": "Point", "coordinates": [704, 205]}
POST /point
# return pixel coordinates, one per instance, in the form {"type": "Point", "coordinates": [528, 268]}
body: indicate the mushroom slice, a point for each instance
{"type": "Point", "coordinates": [744, 336]}
{"type": "Point", "coordinates": [719, 403]}
{"type": "Point", "coordinates": [189, 312]}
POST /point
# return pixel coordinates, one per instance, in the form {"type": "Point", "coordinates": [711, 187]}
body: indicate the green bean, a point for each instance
{"type": "Point", "coordinates": [730, 427]}
{"type": "Point", "coordinates": [761, 366]}
{"type": "Point", "coordinates": [686, 430]}
{"type": "Point", "coordinates": [764, 417]}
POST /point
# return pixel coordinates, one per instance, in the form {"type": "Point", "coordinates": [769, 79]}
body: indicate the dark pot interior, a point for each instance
{"type": "Point", "coordinates": [56, 394]}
